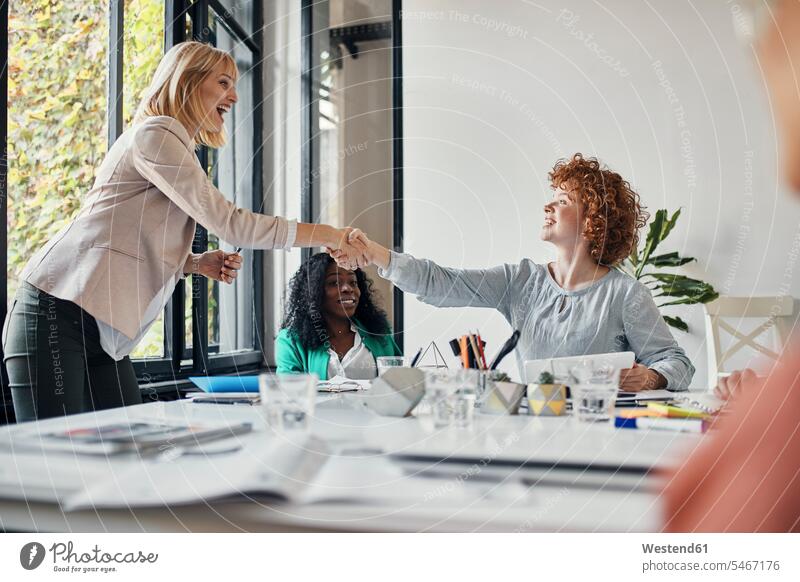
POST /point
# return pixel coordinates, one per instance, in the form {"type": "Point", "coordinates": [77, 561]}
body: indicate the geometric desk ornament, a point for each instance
{"type": "Point", "coordinates": [547, 399]}
{"type": "Point", "coordinates": [396, 392]}
{"type": "Point", "coordinates": [503, 397]}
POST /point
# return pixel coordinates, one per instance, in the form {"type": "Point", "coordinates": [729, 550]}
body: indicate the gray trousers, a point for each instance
{"type": "Point", "coordinates": [56, 365]}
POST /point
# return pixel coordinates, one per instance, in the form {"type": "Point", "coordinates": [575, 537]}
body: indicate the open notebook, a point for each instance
{"type": "Point", "coordinates": [703, 401]}
{"type": "Point", "coordinates": [280, 468]}
{"type": "Point", "coordinates": [144, 463]}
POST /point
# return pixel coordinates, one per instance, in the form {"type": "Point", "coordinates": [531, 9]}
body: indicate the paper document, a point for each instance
{"type": "Point", "coordinates": [279, 467]}
{"type": "Point", "coordinates": [342, 384]}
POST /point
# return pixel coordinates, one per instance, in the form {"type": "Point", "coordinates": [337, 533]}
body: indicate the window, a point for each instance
{"type": "Point", "coordinates": [209, 327]}
{"type": "Point", "coordinates": [352, 154]}
{"type": "Point", "coordinates": [62, 120]}
{"type": "Point", "coordinates": [57, 124]}
{"type": "Point", "coordinates": [231, 314]}
{"type": "Point", "coordinates": [143, 47]}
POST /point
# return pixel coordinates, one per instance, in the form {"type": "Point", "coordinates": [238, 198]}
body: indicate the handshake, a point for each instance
{"type": "Point", "coordinates": [356, 250]}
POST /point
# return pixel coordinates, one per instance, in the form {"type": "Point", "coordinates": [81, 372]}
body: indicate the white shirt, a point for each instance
{"type": "Point", "coordinates": [115, 343]}
{"type": "Point", "coordinates": [358, 363]}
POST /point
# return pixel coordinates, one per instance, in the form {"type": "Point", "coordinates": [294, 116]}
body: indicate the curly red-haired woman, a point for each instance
{"type": "Point", "coordinates": [578, 304]}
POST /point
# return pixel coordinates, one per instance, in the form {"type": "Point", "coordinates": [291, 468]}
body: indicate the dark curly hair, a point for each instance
{"type": "Point", "coordinates": [613, 212]}
{"type": "Point", "coordinates": [303, 314]}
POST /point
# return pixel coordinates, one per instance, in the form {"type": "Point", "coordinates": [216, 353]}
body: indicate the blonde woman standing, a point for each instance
{"type": "Point", "coordinates": [91, 293]}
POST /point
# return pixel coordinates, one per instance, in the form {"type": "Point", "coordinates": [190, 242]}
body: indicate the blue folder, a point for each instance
{"type": "Point", "coordinates": [226, 383]}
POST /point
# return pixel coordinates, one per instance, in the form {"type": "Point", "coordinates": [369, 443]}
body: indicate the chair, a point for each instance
{"type": "Point", "coordinates": [777, 311]}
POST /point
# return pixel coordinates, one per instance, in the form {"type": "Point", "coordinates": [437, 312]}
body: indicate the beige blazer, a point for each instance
{"type": "Point", "coordinates": [134, 231]}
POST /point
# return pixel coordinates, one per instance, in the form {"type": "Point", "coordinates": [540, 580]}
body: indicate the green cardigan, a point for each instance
{"type": "Point", "coordinates": [293, 357]}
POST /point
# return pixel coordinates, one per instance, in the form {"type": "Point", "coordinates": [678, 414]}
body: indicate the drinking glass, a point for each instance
{"type": "Point", "coordinates": [441, 385]}
{"type": "Point", "coordinates": [464, 409]}
{"type": "Point", "coordinates": [386, 362]}
{"type": "Point", "coordinates": [452, 394]}
{"type": "Point", "coordinates": [287, 400]}
{"type": "Point", "coordinates": [594, 391]}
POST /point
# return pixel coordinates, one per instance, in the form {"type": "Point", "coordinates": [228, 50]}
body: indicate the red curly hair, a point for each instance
{"type": "Point", "coordinates": [613, 214]}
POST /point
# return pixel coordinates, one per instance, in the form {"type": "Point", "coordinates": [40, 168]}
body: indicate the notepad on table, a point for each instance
{"type": "Point", "coordinates": [668, 411]}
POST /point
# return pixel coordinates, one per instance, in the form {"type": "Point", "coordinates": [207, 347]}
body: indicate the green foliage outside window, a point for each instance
{"type": "Point", "coordinates": [57, 113]}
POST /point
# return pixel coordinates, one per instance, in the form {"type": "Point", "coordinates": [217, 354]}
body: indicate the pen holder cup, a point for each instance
{"type": "Point", "coordinates": [486, 381]}
{"type": "Point", "coordinates": [502, 397]}
{"type": "Point", "coordinates": [547, 399]}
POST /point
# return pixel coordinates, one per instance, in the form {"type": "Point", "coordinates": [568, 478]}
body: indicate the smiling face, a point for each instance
{"type": "Point", "coordinates": [341, 292]}
{"type": "Point", "coordinates": [563, 222]}
{"type": "Point", "coordinates": [217, 95]}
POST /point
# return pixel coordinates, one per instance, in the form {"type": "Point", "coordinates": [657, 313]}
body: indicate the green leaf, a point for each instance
{"type": "Point", "coordinates": [705, 298]}
{"type": "Point", "coordinates": [676, 322]}
{"type": "Point", "coordinates": [670, 224]}
{"type": "Point", "coordinates": [669, 260]}
{"type": "Point", "coordinates": [687, 289]}
{"type": "Point", "coordinates": [653, 238]}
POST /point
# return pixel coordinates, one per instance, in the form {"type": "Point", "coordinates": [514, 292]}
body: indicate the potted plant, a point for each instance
{"type": "Point", "coordinates": [675, 289]}
{"type": "Point", "coordinates": [546, 397]}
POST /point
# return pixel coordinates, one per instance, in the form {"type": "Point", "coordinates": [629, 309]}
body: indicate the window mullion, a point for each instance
{"type": "Point", "coordinates": [174, 313]}
{"type": "Point", "coordinates": [115, 57]}
{"type": "Point", "coordinates": [200, 31]}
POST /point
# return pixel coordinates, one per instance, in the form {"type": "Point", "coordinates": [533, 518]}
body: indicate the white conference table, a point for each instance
{"type": "Point", "coordinates": [506, 473]}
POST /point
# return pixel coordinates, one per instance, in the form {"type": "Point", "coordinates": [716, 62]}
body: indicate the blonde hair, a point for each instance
{"type": "Point", "coordinates": [173, 90]}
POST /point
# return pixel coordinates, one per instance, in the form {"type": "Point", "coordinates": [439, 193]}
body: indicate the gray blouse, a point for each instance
{"type": "Point", "coordinates": [614, 314]}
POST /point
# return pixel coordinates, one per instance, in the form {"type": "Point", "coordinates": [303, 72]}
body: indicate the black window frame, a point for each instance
{"type": "Point", "coordinates": [310, 174]}
{"type": "Point", "coordinates": [174, 365]}
{"type": "Point", "coordinates": [6, 408]}
{"type": "Point", "coordinates": [183, 20]}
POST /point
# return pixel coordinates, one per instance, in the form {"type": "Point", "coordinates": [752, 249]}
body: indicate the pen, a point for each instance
{"type": "Point", "coordinates": [480, 347]}
{"type": "Point", "coordinates": [462, 344]}
{"type": "Point", "coordinates": [223, 400]}
{"type": "Point", "coordinates": [507, 348]}
{"type": "Point", "coordinates": [475, 351]}
{"type": "Point", "coordinates": [674, 424]}
{"type": "Point", "coordinates": [416, 358]}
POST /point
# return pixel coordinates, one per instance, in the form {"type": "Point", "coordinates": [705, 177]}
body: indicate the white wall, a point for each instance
{"type": "Point", "coordinates": [660, 90]}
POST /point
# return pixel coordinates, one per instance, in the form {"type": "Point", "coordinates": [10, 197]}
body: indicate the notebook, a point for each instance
{"type": "Point", "coordinates": [140, 436]}
{"type": "Point", "coordinates": [704, 401]}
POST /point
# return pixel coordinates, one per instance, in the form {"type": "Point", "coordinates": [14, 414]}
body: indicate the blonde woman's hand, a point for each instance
{"type": "Point", "coordinates": [216, 265]}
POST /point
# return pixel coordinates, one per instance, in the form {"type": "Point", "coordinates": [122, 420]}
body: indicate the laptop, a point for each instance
{"type": "Point", "coordinates": [560, 367]}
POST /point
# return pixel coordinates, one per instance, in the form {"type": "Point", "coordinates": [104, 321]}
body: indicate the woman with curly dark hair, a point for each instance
{"type": "Point", "coordinates": [578, 304]}
{"type": "Point", "coordinates": [332, 325]}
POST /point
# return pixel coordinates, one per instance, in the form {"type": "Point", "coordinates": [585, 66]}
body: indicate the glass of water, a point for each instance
{"type": "Point", "coordinates": [386, 362]}
{"type": "Point", "coordinates": [441, 385]}
{"type": "Point", "coordinates": [451, 394]}
{"type": "Point", "coordinates": [594, 391]}
{"type": "Point", "coordinates": [464, 409]}
{"type": "Point", "coordinates": [287, 400]}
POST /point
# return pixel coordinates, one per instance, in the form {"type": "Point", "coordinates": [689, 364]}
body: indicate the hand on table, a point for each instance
{"type": "Point", "coordinates": [640, 378]}
{"type": "Point", "coordinates": [217, 265]}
